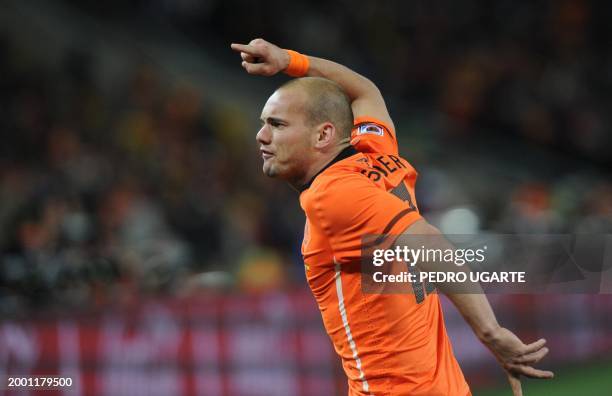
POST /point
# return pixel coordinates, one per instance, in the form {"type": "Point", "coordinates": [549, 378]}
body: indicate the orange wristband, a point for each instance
{"type": "Point", "coordinates": [298, 64]}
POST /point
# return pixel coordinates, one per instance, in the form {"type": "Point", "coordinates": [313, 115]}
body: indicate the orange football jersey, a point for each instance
{"type": "Point", "coordinates": [390, 344]}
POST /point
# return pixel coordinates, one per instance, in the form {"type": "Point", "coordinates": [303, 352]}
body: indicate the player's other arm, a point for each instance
{"type": "Point", "coordinates": [516, 357]}
{"type": "Point", "coordinates": [266, 59]}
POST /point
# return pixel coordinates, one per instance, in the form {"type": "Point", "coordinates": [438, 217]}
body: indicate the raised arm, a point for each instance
{"type": "Point", "coordinates": [260, 57]}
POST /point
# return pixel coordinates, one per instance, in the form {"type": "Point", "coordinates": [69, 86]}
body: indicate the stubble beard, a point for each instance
{"type": "Point", "coordinates": [268, 169]}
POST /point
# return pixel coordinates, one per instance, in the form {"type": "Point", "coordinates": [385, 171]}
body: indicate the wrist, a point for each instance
{"type": "Point", "coordinates": [296, 64]}
{"type": "Point", "coordinates": [490, 333]}
{"type": "Point", "coordinates": [286, 60]}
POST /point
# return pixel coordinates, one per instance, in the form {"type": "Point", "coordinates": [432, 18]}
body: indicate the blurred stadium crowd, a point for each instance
{"type": "Point", "coordinates": [106, 195]}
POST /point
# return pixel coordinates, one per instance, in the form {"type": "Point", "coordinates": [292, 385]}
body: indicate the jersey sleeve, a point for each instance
{"type": "Point", "coordinates": [351, 207]}
{"type": "Point", "coordinates": [371, 135]}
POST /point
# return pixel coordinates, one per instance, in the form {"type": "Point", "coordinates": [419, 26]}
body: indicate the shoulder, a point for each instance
{"type": "Point", "coordinates": [342, 177]}
{"type": "Point", "coordinates": [337, 194]}
{"type": "Point", "coordinates": [337, 178]}
{"type": "Point", "coordinates": [371, 135]}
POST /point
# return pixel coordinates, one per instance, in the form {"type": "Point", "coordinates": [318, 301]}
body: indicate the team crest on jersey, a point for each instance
{"type": "Point", "coordinates": [370, 129]}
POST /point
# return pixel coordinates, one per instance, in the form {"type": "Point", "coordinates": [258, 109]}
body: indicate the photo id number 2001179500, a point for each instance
{"type": "Point", "coordinates": [36, 382]}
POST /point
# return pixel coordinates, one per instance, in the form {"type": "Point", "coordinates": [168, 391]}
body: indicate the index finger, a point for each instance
{"type": "Point", "coordinates": [249, 49]}
{"type": "Point", "coordinates": [529, 371]}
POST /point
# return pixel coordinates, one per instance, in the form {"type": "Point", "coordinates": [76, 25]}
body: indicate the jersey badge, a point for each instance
{"type": "Point", "coordinates": [370, 129]}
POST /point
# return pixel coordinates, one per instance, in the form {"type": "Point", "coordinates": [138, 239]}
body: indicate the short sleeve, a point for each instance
{"type": "Point", "coordinates": [371, 135]}
{"type": "Point", "coordinates": [350, 207]}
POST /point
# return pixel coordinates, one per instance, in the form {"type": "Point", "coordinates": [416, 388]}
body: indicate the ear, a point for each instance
{"type": "Point", "coordinates": [326, 133]}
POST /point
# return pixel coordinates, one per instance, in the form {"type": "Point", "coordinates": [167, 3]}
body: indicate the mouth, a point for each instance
{"type": "Point", "coordinates": [265, 154]}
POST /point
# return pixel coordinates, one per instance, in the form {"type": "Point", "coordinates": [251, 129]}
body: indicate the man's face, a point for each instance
{"type": "Point", "coordinates": [284, 138]}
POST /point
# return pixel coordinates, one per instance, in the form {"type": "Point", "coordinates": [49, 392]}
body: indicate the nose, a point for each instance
{"type": "Point", "coordinates": [263, 136]}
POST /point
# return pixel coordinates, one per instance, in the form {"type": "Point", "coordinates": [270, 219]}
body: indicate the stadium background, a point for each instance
{"type": "Point", "coordinates": [142, 250]}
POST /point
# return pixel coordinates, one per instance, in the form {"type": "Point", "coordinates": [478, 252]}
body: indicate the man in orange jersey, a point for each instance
{"type": "Point", "coordinates": [330, 136]}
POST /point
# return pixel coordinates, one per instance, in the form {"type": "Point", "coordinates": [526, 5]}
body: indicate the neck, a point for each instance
{"type": "Point", "coordinates": [316, 167]}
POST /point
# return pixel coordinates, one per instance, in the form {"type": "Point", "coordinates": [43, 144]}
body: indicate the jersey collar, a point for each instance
{"type": "Point", "coordinates": [347, 152]}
